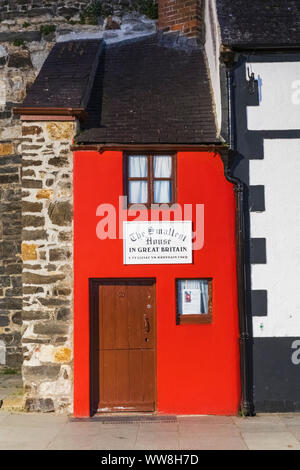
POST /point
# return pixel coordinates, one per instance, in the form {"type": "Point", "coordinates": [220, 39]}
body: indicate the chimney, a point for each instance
{"type": "Point", "coordinates": [183, 16]}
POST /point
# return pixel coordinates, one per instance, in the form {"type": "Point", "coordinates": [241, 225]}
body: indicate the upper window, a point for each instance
{"type": "Point", "coordinates": [150, 179]}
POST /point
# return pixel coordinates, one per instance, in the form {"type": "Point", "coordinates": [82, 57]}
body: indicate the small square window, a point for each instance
{"type": "Point", "coordinates": [193, 301]}
{"type": "Point", "coordinates": [150, 179]}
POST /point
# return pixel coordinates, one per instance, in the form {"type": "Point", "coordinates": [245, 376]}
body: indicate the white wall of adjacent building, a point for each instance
{"type": "Point", "coordinates": [279, 172]}
{"type": "Point", "coordinates": [279, 224]}
{"type": "Point", "coordinates": [279, 94]}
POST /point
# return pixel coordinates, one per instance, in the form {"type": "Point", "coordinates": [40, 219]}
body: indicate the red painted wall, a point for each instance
{"type": "Point", "coordinates": [197, 365]}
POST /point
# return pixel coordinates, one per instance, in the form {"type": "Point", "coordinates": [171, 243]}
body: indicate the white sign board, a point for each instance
{"type": "Point", "coordinates": [158, 242]}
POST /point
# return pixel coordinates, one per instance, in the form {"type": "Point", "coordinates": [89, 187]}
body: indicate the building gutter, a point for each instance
{"type": "Point", "coordinates": [214, 147]}
{"type": "Point", "coordinates": [246, 405]}
{"type": "Point", "coordinates": [259, 48]}
{"type": "Point", "coordinates": [80, 113]}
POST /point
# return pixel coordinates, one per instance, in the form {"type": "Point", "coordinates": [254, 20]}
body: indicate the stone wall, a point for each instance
{"type": "Point", "coordinates": [10, 261]}
{"type": "Point", "coordinates": [47, 252]}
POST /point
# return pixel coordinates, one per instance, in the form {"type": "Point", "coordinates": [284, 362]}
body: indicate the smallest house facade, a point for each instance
{"type": "Point", "coordinates": [147, 308]}
{"type": "Point", "coordinates": [118, 316]}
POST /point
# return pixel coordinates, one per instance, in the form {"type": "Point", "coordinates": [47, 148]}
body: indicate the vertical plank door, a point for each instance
{"type": "Point", "coordinates": [127, 346]}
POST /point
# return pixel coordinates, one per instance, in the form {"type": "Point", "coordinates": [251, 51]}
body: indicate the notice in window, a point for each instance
{"type": "Point", "coordinates": [191, 301]}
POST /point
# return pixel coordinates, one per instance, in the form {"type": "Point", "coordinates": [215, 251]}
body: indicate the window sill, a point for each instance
{"type": "Point", "coordinates": [194, 319]}
{"type": "Point", "coordinates": [155, 206]}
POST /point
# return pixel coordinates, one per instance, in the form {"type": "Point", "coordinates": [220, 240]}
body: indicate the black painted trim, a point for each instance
{"type": "Point", "coordinates": [276, 374]}
{"type": "Point", "coordinates": [264, 48]}
{"type": "Point", "coordinates": [259, 303]}
{"type": "Point", "coordinates": [257, 198]}
{"type": "Point", "coordinates": [258, 252]}
{"type": "Point", "coordinates": [269, 56]}
{"type": "Point", "coordinates": [277, 134]}
{"type": "Point", "coordinates": [277, 406]}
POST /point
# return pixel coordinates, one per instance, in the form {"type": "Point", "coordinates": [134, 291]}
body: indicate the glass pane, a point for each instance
{"type": "Point", "coordinates": [193, 296]}
{"type": "Point", "coordinates": [137, 166]}
{"type": "Point", "coordinates": [162, 191]}
{"type": "Point", "coordinates": [162, 166]}
{"type": "Point", "coordinates": [138, 192]}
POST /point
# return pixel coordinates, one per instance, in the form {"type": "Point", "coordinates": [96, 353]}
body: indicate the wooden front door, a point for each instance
{"type": "Point", "coordinates": [127, 346]}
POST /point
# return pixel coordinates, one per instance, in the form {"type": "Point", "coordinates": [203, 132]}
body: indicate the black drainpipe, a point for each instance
{"type": "Point", "coordinates": [247, 406]}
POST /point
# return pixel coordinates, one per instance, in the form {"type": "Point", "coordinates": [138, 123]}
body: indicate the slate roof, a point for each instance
{"type": "Point", "coordinates": [66, 76]}
{"type": "Point", "coordinates": [148, 91]}
{"type": "Point", "coordinates": [259, 23]}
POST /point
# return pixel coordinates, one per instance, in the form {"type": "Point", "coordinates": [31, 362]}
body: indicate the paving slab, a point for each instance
{"type": "Point", "coordinates": [31, 439]}
{"type": "Point", "coordinates": [157, 440]}
{"type": "Point", "coordinates": [208, 429]}
{"type": "Point", "coordinates": [72, 442]}
{"type": "Point", "coordinates": [295, 430]}
{"type": "Point", "coordinates": [271, 441]}
{"type": "Point", "coordinates": [258, 418]}
{"type": "Point", "coordinates": [3, 416]}
{"type": "Point", "coordinates": [58, 432]}
{"type": "Point", "coordinates": [160, 427]}
{"type": "Point", "coordinates": [120, 439]}
{"type": "Point", "coordinates": [205, 419]}
{"type": "Point", "coordinates": [290, 419]}
{"type": "Point", "coordinates": [95, 435]}
{"type": "Point", "coordinates": [36, 420]}
{"type": "Point", "coordinates": [92, 428]}
{"type": "Point", "coordinates": [215, 442]}
{"type": "Point", "coordinates": [259, 425]}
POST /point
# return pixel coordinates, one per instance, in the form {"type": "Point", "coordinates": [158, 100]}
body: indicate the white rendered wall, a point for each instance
{"type": "Point", "coordinates": [279, 90]}
{"type": "Point", "coordinates": [212, 49]}
{"type": "Point", "coordinates": [279, 172]}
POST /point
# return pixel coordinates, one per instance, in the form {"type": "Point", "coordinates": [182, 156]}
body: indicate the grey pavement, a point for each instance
{"type": "Point", "coordinates": [24, 431]}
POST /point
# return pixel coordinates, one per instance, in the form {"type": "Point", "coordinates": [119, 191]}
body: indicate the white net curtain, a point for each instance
{"type": "Point", "coordinates": [138, 168]}
{"type": "Point", "coordinates": [193, 296]}
{"type": "Point", "coordinates": [138, 190]}
{"type": "Point", "coordinates": [162, 168]}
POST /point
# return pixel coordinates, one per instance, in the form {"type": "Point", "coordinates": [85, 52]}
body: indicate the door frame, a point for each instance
{"type": "Point", "coordinates": [94, 284]}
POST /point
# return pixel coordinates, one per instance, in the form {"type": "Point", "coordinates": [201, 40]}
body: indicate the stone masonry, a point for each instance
{"type": "Point", "coordinates": [10, 261]}
{"type": "Point", "coordinates": [47, 253]}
